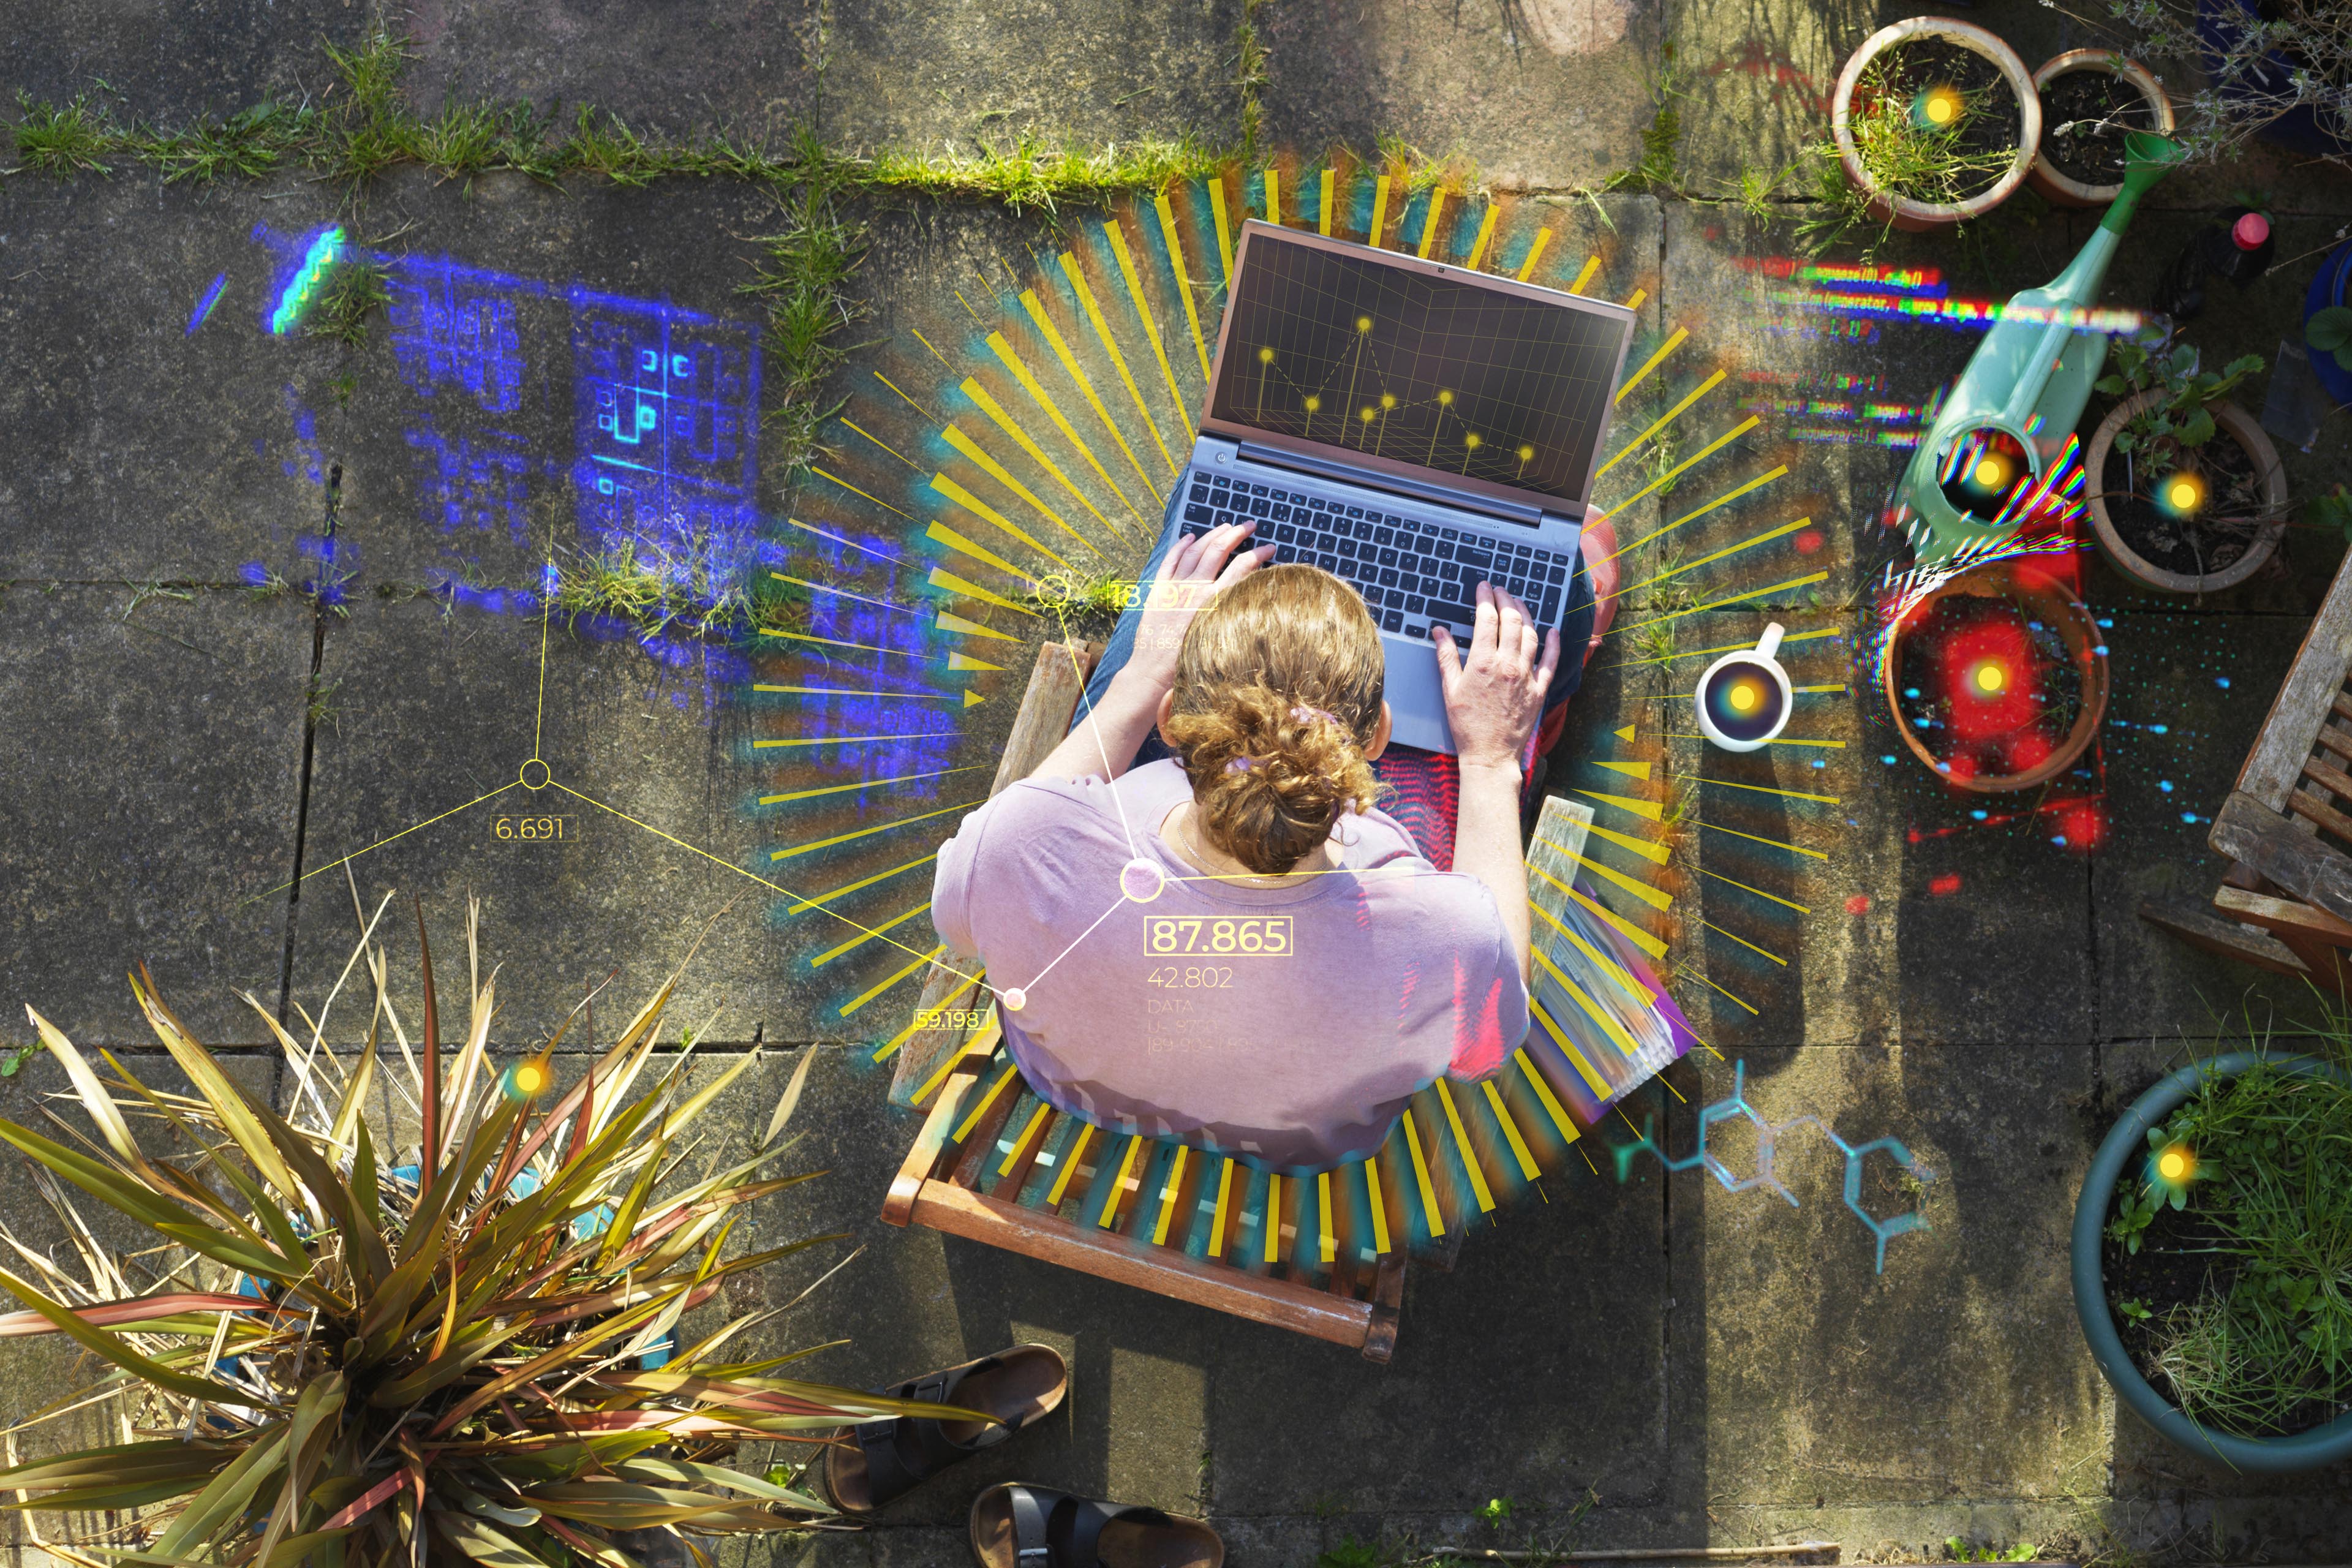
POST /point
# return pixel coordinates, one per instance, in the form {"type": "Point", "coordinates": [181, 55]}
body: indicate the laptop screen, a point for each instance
{"type": "Point", "coordinates": [1339, 346]}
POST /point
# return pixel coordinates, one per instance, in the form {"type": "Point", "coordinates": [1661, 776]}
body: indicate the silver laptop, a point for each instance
{"type": "Point", "coordinates": [1411, 428]}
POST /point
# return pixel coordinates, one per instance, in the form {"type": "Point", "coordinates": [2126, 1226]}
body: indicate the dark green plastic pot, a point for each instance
{"type": "Point", "coordinates": [2124, 1148]}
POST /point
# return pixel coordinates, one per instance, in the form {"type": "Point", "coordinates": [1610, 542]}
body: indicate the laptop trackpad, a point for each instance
{"type": "Point", "coordinates": [1416, 698]}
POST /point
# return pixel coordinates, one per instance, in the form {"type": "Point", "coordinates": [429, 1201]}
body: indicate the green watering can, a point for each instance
{"type": "Point", "coordinates": [2017, 405]}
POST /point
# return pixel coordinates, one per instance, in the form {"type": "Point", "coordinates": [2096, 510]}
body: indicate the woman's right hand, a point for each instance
{"type": "Point", "coordinates": [1495, 693]}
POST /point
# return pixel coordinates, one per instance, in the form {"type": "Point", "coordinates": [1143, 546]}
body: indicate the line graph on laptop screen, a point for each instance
{"type": "Point", "coordinates": [1351, 352]}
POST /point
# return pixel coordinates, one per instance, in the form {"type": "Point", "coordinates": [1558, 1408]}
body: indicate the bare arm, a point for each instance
{"type": "Point", "coordinates": [1103, 743]}
{"type": "Point", "coordinates": [1494, 699]}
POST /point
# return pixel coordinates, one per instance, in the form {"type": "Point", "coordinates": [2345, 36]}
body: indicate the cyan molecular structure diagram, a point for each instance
{"type": "Point", "coordinates": [1768, 1135]}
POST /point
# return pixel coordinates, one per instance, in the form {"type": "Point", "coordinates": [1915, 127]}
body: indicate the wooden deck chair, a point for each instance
{"type": "Point", "coordinates": [2286, 904]}
{"type": "Point", "coordinates": [1322, 1254]}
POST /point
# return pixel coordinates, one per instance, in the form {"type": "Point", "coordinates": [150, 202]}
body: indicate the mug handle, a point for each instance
{"type": "Point", "coordinates": [1770, 643]}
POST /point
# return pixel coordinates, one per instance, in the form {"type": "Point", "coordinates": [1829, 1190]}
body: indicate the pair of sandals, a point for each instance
{"type": "Point", "coordinates": [1011, 1526]}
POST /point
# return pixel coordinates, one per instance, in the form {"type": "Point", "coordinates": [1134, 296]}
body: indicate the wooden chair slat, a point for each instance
{"type": "Point", "coordinates": [1434, 1219]}
{"type": "Point", "coordinates": [2337, 739]}
{"type": "Point", "coordinates": [2200, 928]}
{"type": "Point", "coordinates": [1045, 1166]}
{"type": "Point", "coordinates": [1463, 1149]}
{"type": "Point", "coordinates": [2315, 808]}
{"type": "Point", "coordinates": [1212, 1234]}
{"type": "Point", "coordinates": [978, 1133]}
{"type": "Point", "coordinates": [1067, 1192]}
{"type": "Point", "coordinates": [1510, 1130]}
{"type": "Point", "coordinates": [1376, 1206]}
{"type": "Point", "coordinates": [1369, 1325]}
{"type": "Point", "coordinates": [2313, 687]}
{"type": "Point", "coordinates": [1165, 1199]}
{"type": "Point", "coordinates": [1540, 1087]}
{"type": "Point", "coordinates": [1028, 1130]}
{"type": "Point", "coordinates": [2328, 776]}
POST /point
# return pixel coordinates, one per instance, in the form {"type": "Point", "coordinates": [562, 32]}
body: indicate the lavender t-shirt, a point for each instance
{"type": "Point", "coordinates": [1155, 1016]}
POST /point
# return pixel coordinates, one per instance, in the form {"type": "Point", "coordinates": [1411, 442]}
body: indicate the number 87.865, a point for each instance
{"type": "Point", "coordinates": [1248, 936]}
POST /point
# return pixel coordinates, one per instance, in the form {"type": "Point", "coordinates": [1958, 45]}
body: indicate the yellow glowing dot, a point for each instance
{"type": "Point", "coordinates": [1367, 414]}
{"type": "Point", "coordinates": [1990, 677]}
{"type": "Point", "coordinates": [1446, 400]}
{"type": "Point", "coordinates": [1265, 356]}
{"type": "Point", "coordinates": [1990, 472]}
{"type": "Point", "coordinates": [1526, 452]}
{"type": "Point", "coordinates": [1744, 698]}
{"type": "Point", "coordinates": [1313, 403]}
{"type": "Point", "coordinates": [2182, 493]}
{"type": "Point", "coordinates": [2172, 1164]}
{"type": "Point", "coordinates": [1470, 440]}
{"type": "Point", "coordinates": [1363, 323]}
{"type": "Point", "coordinates": [530, 1078]}
{"type": "Point", "coordinates": [1388, 400]}
{"type": "Point", "coordinates": [1941, 106]}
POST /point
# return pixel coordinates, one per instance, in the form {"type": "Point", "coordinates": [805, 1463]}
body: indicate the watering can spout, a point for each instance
{"type": "Point", "coordinates": [2148, 158]}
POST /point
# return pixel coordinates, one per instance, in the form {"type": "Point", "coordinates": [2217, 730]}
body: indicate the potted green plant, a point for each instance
{"type": "Point", "coordinates": [2092, 99]}
{"type": "Point", "coordinates": [326, 1352]}
{"type": "Point", "coordinates": [2327, 333]}
{"type": "Point", "coordinates": [2207, 1259]}
{"type": "Point", "coordinates": [2187, 495]}
{"type": "Point", "coordinates": [1933, 122]}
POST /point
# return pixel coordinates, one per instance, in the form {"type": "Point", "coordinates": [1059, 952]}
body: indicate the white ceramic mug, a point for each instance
{"type": "Point", "coordinates": [1743, 698]}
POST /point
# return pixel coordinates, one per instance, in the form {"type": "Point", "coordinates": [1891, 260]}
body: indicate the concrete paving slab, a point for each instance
{"type": "Point", "coordinates": [2164, 784]}
{"type": "Point", "coordinates": [1456, 1434]}
{"type": "Point", "coordinates": [680, 71]}
{"type": "Point", "coordinates": [1183, 1409]}
{"type": "Point", "coordinates": [1758, 80]}
{"type": "Point", "coordinates": [1818, 1366]}
{"type": "Point", "coordinates": [165, 431]}
{"type": "Point", "coordinates": [1768, 850]}
{"type": "Point", "coordinates": [955, 78]}
{"type": "Point", "coordinates": [1542, 95]}
{"type": "Point", "coordinates": [475, 434]}
{"type": "Point", "coordinates": [167, 63]}
{"type": "Point", "coordinates": [430, 714]}
{"type": "Point", "coordinates": [154, 796]}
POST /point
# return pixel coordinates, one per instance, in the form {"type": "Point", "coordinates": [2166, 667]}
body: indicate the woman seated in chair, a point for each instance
{"type": "Point", "coordinates": [1318, 971]}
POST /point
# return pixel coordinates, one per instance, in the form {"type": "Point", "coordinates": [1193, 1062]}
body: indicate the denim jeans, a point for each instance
{"type": "Point", "coordinates": [1575, 631]}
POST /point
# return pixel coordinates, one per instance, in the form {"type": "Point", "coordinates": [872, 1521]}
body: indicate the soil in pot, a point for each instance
{"type": "Point", "coordinates": [1987, 687]}
{"type": "Point", "coordinates": [2084, 115]}
{"type": "Point", "coordinates": [1935, 123]}
{"type": "Point", "coordinates": [2234, 1305]}
{"type": "Point", "coordinates": [2203, 540]}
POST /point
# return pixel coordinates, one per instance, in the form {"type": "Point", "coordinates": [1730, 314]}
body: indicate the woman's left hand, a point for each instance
{"type": "Point", "coordinates": [1192, 576]}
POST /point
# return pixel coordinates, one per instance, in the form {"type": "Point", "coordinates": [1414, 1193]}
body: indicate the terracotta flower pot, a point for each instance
{"type": "Point", "coordinates": [1928, 217]}
{"type": "Point", "coordinates": [2060, 190]}
{"type": "Point", "coordinates": [2042, 599]}
{"type": "Point", "coordinates": [2236, 424]}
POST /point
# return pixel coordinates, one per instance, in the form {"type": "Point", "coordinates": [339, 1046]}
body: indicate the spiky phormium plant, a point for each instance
{"type": "Point", "coordinates": [349, 1363]}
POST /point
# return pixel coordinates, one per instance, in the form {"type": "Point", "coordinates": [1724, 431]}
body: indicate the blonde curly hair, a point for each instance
{"type": "Point", "coordinates": [1277, 696]}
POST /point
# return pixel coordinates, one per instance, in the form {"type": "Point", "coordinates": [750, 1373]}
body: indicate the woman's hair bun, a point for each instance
{"type": "Point", "coordinates": [1270, 776]}
{"type": "Point", "coordinates": [1278, 695]}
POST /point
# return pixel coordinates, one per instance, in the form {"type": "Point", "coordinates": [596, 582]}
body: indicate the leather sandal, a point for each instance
{"type": "Point", "coordinates": [1016, 1526]}
{"type": "Point", "coordinates": [873, 1462]}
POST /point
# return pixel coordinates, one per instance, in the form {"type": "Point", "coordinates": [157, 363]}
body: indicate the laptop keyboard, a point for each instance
{"type": "Point", "coordinates": [1412, 573]}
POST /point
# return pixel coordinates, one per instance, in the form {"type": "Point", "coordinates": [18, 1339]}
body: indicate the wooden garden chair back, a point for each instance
{"type": "Point", "coordinates": [2286, 903]}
